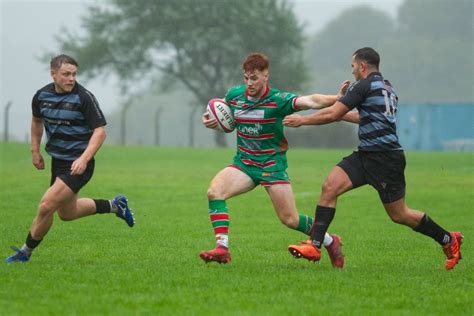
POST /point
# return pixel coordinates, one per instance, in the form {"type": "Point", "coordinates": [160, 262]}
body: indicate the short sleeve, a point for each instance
{"type": "Point", "coordinates": [91, 110]}
{"type": "Point", "coordinates": [355, 95]}
{"type": "Point", "coordinates": [287, 103]}
{"type": "Point", "coordinates": [35, 106]}
{"type": "Point", "coordinates": [230, 94]}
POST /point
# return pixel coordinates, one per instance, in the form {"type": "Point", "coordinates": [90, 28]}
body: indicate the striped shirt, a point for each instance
{"type": "Point", "coordinates": [260, 138]}
{"type": "Point", "coordinates": [69, 119]}
{"type": "Point", "coordinates": [376, 101]}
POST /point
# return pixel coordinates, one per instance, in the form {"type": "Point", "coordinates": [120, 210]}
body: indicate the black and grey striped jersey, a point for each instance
{"type": "Point", "coordinates": [376, 101]}
{"type": "Point", "coordinates": [69, 119]}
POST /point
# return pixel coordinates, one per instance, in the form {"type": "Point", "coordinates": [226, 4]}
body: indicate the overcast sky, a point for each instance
{"type": "Point", "coordinates": [28, 28]}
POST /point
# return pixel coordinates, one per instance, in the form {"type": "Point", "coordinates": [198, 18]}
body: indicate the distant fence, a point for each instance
{"type": "Point", "coordinates": [440, 127]}
{"type": "Point", "coordinates": [446, 127]}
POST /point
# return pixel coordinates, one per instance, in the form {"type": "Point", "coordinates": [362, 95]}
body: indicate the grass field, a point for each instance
{"type": "Point", "coordinates": [97, 265]}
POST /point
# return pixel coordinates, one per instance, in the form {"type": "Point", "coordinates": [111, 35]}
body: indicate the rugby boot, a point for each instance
{"type": "Point", "coordinates": [335, 252]}
{"type": "Point", "coordinates": [306, 250]}
{"type": "Point", "coordinates": [219, 254]}
{"type": "Point", "coordinates": [19, 256]}
{"type": "Point", "coordinates": [123, 211]}
{"type": "Point", "coordinates": [453, 250]}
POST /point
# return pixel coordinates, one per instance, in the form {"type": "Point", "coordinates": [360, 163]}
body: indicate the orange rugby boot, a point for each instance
{"type": "Point", "coordinates": [219, 254]}
{"type": "Point", "coordinates": [306, 250]}
{"type": "Point", "coordinates": [453, 250]}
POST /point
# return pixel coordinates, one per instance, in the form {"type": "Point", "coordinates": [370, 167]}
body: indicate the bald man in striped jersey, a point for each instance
{"type": "Point", "coordinates": [261, 155]}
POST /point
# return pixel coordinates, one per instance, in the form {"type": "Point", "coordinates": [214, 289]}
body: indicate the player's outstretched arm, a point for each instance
{"type": "Point", "coordinates": [352, 117]}
{"type": "Point", "coordinates": [320, 101]}
{"type": "Point", "coordinates": [330, 114]}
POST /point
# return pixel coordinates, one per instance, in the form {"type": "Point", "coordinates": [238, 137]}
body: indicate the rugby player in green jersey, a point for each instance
{"type": "Point", "coordinates": [261, 155]}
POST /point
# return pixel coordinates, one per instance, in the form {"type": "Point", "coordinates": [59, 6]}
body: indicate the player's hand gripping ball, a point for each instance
{"type": "Point", "coordinates": [221, 112]}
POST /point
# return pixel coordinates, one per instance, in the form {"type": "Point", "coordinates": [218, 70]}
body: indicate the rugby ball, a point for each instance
{"type": "Point", "coordinates": [221, 112]}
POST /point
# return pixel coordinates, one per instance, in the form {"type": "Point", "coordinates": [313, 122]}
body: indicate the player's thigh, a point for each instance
{"type": "Point", "coordinates": [386, 173]}
{"type": "Point", "coordinates": [58, 195]}
{"type": "Point", "coordinates": [283, 200]}
{"type": "Point", "coordinates": [62, 169]}
{"type": "Point", "coordinates": [230, 182]}
{"type": "Point", "coordinates": [397, 206]}
{"type": "Point", "coordinates": [349, 169]}
{"type": "Point", "coordinates": [337, 182]}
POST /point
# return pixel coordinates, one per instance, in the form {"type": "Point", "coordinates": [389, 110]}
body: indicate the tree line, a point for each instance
{"type": "Point", "coordinates": [198, 46]}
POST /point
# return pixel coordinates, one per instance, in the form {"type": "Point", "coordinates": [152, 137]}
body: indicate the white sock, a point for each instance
{"type": "Point", "coordinates": [26, 249]}
{"type": "Point", "coordinates": [327, 240]}
{"type": "Point", "coordinates": [222, 240]}
{"type": "Point", "coordinates": [113, 207]}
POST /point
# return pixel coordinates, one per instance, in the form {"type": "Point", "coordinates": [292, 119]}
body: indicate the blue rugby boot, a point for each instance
{"type": "Point", "coordinates": [121, 202]}
{"type": "Point", "coordinates": [19, 256]}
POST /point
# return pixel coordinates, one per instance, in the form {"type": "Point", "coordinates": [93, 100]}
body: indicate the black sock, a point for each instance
{"type": "Point", "coordinates": [32, 243]}
{"type": "Point", "coordinates": [102, 206]}
{"type": "Point", "coordinates": [322, 219]}
{"type": "Point", "coordinates": [429, 228]}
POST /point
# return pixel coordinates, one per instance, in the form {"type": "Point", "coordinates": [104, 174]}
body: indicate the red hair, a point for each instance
{"type": "Point", "coordinates": [255, 61]}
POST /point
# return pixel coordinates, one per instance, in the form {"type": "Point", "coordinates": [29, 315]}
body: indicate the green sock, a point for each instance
{"type": "Point", "coordinates": [305, 223]}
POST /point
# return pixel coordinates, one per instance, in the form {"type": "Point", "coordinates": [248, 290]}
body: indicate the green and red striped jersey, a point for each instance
{"type": "Point", "coordinates": [260, 138]}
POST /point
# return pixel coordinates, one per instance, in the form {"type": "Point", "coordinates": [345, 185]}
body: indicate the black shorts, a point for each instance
{"type": "Point", "coordinates": [384, 170]}
{"type": "Point", "coordinates": [62, 169]}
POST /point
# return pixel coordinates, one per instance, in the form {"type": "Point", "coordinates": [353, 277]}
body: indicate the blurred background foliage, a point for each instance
{"type": "Point", "coordinates": [173, 56]}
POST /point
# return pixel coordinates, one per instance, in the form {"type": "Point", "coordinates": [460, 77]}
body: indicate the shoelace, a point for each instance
{"type": "Point", "coordinates": [19, 252]}
{"type": "Point", "coordinates": [449, 250]}
{"type": "Point", "coordinates": [122, 204]}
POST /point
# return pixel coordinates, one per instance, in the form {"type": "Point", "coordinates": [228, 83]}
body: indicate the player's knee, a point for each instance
{"type": "Point", "coordinates": [65, 216]}
{"type": "Point", "coordinates": [398, 218]}
{"type": "Point", "coordinates": [214, 193]}
{"type": "Point", "coordinates": [46, 207]}
{"type": "Point", "coordinates": [329, 188]}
